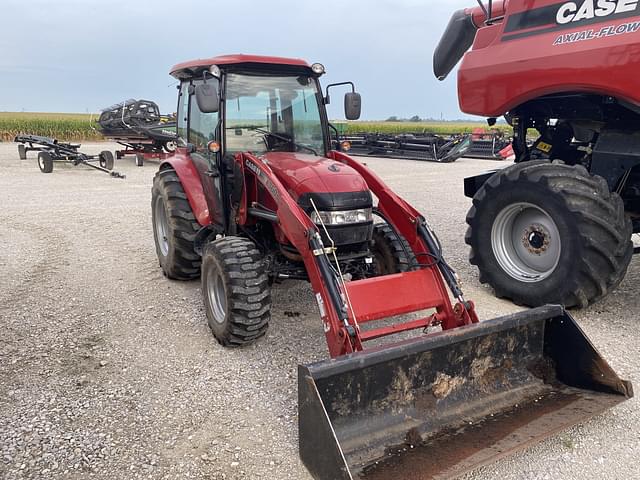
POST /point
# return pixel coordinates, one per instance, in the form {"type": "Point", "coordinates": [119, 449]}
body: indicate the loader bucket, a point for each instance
{"type": "Point", "coordinates": [443, 404]}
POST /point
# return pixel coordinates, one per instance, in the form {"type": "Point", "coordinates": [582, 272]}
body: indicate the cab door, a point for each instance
{"type": "Point", "coordinates": [202, 128]}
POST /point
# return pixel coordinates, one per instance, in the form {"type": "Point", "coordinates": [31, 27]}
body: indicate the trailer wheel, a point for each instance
{"type": "Point", "coordinates": [45, 162]}
{"type": "Point", "coordinates": [22, 152]}
{"type": "Point", "coordinates": [391, 252]}
{"type": "Point", "coordinates": [139, 160]}
{"type": "Point", "coordinates": [119, 155]}
{"type": "Point", "coordinates": [170, 146]}
{"type": "Point", "coordinates": [106, 159]}
{"type": "Point", "coordinates": [544, 232]}
{"type": "Point", "coordinates": [174, 227]}
{"type": "Point", "coordinates": [235, 290]}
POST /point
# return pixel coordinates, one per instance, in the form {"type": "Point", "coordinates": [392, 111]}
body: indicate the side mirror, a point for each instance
{"type": "Point", "coordinates": [352, 105]}
{"type": "Point", "coordinates": [207, 97]}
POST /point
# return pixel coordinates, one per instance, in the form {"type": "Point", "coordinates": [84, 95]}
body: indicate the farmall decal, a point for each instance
{"type": "Point", "coordinates": [607, 31]}
{"type": "Point", "coordinates": [263, 178]}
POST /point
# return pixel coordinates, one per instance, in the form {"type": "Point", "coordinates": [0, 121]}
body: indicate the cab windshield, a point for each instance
{"type": "Point", "coordinates": [272, 113]}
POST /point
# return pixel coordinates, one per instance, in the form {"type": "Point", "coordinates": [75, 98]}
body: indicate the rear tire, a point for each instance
{"type": "Point", "coordinates": [235, 291]}
{"type": "Point", "coordinates": [544, 232]}
{"type": "Point", "coordinates": [106, 159]}
{"type": "Point", "coordinates": [391, 252]}
{"type": "Point", "coordinates": [174, 227]}
{"type": "Point", "coordinates": [22, 152]}
{"type": "Point", "coordinates": [45, 162]}
{"type": "Point", "coordinates": [139, 160]}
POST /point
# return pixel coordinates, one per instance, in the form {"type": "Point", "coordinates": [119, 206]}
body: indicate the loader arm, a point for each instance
{"type": "Point", "coordinates": [408, 221]}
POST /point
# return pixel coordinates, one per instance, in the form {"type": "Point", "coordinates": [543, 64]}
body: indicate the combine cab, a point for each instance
{"type": "Point", "coordinates": [255, 195]}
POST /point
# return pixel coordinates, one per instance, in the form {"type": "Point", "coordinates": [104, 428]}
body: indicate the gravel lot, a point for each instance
{"type": "Point", "coordinates": [108, 370]}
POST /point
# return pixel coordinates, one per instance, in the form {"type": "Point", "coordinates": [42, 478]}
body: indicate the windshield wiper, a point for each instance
{"type": "Point", "coordinates": [282, 137]}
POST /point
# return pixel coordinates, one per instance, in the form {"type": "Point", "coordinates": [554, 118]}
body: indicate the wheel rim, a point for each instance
{"type": "Point", "coordinates": [216, 294]}
{"type": "Point", "coordinates": [40, 162]}
{"type": "Point", "coordinates": [170, 146]}
{"type": "Point", "coordinates": [526, 242]}
{"type": "Point", "coordinates": [162, 226]}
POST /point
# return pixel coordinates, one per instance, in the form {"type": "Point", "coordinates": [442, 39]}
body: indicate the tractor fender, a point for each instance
{"type": "Point", "coordinates": [192, 185]}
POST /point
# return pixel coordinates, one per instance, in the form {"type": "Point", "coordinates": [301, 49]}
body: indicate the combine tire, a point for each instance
{"type": "Point", "coordinates": [139, 160]}
{"type": "Point", "coordinates": [45, 162]}
{"type": "Point", "coordinates": [22, 152]}
{"type": "Point", "coordinates": [390, 253]}
{"type": "Point", "coordinates": [106, 160]}
{"type": "Point", "coordinates": [235, 290]}
{"type": "Point", "coordinates": [174, 227]}
{"type": "Point", "coordinates": [545, 232]}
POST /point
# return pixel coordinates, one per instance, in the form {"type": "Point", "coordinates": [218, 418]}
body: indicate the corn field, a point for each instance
{"type": "Point", "coordinates": [63, 126]}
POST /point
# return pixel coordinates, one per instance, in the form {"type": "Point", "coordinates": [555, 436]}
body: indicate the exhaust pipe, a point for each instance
{"type": "Point", "coordinates": [446, 403]}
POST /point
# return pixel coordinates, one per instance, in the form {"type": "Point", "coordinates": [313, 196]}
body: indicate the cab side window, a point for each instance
{"type": "Point", "coordinates": [202, 126]}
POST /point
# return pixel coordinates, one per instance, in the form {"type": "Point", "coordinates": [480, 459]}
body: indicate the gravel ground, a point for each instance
{"type": "Point", "coordinates": [108, 370]}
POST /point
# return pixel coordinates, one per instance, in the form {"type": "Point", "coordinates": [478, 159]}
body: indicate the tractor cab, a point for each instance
{"type": "Point", "coordinates": [256, 104]}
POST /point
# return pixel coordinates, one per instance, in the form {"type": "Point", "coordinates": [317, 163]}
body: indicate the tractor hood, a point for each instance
{"type": "Point", "coordinates": [332, 185]}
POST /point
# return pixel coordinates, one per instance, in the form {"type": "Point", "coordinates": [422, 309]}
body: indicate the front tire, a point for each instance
{"type": "Point", "coordinates": [391, 252]}
{"type": "Point", "coordinates": [544, 232]}
{"type": "Point", "coordinates": [174, 227]}
{"type": "Point", "coordinates": [236, 291]}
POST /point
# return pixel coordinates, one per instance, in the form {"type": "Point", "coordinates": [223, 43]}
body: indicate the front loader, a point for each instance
{"type": "Point", "coordinates": [258, 193]}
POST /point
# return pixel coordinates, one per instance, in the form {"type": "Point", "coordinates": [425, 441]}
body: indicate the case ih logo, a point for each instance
{"type": "Point", "coordinates": [570, 15]}
{"type": "Point", "coordinates": [571, 12]}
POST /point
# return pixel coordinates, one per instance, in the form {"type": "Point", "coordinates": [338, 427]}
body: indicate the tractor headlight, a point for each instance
{"type": "Point", "coordinates": [344, 217]}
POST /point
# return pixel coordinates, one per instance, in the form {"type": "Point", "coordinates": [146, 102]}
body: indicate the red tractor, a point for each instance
{"type": "Point", "coordinates": [555, 227]}
{"type": "Point", "coordinates": [259, 193]}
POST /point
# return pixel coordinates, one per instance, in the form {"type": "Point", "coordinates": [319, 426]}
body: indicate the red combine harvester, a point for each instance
{"type": "Point", "coordinates": [257, 192]}
{"type": "Point", "coordinates": [556, 226]}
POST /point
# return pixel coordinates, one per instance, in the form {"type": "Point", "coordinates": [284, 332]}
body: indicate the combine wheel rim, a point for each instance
{"type": "Point", "coordinates": [526, 242]}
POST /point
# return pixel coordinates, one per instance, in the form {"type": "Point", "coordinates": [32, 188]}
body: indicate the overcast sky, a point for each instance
{"type": "Point", "coordinates": [83, 55]}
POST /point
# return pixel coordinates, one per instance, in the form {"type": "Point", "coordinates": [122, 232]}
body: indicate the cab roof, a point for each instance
{"type": "Point", "coordinates": [193, 67]}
